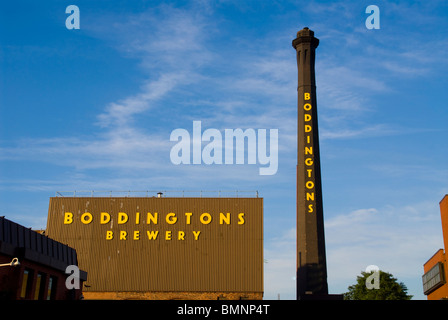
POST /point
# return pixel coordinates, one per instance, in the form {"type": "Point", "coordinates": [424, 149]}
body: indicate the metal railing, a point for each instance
{"type": "Point", "coordinates": [160, 194]}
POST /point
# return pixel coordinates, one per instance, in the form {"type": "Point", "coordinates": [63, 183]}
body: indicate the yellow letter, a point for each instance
{"type": "Point", "coordinates": [225, 218]}
{"type": "Point", "coordinates": [122, 218]}
{"type": "Point", "coordinates": [310, 171]}
{"type": "Point", "coordinates": [309, 184]}
{"type": "Point", "coordinates": [152, 218]}
{"type": "Point", "coordinates": [123, 235]}
{"type": "Point", "coordinates": [152, 235]}
{"type": "Point", "coordinates": [307, 107]}
{"type": "Point", "coordinates": [68, 218]}
{"type": "Point", "coordinates": [307, 117]}
{"type": "Point", "coordinates": [310, 196]}
{"type": "Point", "coordinates": [105, 218]}
{"type": "Point", "coordinates": [310, 208]}
{"type": "Point", "coordinates": [241, 218]}
{"type": "Point", "coordinates": [307, 128]}
{"type": "Point", "coordinates": [168, 235]}
{"type": "Point", "coordinates": [188, 215]}
{"type": "Point", "coordinates": [209, 219]}
{"type": "Point", "coordinates": [196, 234]}
{"type": "Point", "coordinates": [109, 235]}
{"type": "Point", "coordinates": [137, 218]}
{"type": "Point", "coordinates": [309, 161]}
{"type": "Point", "coordinates": [136, 235]}
{"type": "Point", "coordinates": [181, 235]}
{"type": "Point", "coordinates": [308, 150]}
{"type": "Point", "coordinates": [307, 96]}
{"type": "Point", "coordinates": [308, 140]}
{"type": "Point", "coordinates": [86, 218]}
{"type": "Point", "coordinates": [170, 220]}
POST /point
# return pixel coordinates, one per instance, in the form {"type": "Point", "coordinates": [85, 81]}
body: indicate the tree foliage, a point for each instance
{"type": "Point", "coordinates": [389, 288]}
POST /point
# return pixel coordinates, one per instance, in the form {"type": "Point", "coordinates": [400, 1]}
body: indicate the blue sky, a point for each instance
{"type": "Point", "coordinates": [93, 109]}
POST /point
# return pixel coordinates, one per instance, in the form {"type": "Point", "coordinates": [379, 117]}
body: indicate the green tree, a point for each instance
{"type": "Point", "coordinates": [368, 288]}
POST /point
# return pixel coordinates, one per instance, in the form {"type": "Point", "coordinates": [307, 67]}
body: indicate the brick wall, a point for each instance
{"type": "Point", "coordinates": [173, 295]}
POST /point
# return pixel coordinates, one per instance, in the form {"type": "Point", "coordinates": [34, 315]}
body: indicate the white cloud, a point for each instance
{"type": "Point", "coordinates": [280, 266]}
{"type": "Point", "coordinates": [416, 170]}
{"type": "Point", "coordinates": [376, 130]}
{"type": "Point", "coordinates": [169, 47]}
{"type": "Point", "coordinates": [122, 112]}
{"type": "Point", "coordinates": [397, 239]}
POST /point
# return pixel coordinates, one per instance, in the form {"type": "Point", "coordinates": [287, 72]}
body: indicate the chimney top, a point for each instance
{"type": "Point", "coordinates": [305, 32]}
{"type": "Point", "coordinates": [305, 36]}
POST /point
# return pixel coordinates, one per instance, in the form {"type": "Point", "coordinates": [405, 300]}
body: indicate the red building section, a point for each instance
{"type": "Point", "coordinates": [436, 269]}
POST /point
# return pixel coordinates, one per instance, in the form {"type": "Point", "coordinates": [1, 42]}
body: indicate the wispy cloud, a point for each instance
{"type": "Point", "coordinates": [175, 48]}
{"type": "Point", "coordinates": [122, 113]}
{"type": "Point", "coordinates": [169, 46]}
{"type": "Point", "coordinates": [368, 131]}
{"type": "Point", "coordinates": [280, 266]}
{"type": "Point", "coordinates": [169, 43]}
{"type": "Point", "coordinates": [397, 239]}
{"type": "Point", "coordinates": [123, 143]}
{"type": "Point", "coordinates": [412, 168]}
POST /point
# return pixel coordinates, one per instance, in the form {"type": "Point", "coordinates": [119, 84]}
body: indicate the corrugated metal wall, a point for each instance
{"type": "Point", "coordinates": [226, 257]}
